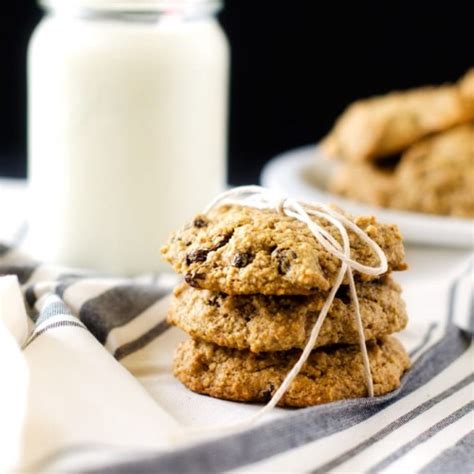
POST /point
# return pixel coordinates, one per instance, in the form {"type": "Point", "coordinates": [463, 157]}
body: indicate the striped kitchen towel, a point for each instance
{"type": "Point", "coordinates": [90, 388]}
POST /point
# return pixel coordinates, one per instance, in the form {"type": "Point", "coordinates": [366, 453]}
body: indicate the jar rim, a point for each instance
{"type": "Point", "coordinates": [166, 6]}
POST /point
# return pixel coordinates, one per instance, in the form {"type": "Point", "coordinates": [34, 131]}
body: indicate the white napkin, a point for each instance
{"type": "Point", "coordinates": [65, 390]}
{"type": "Point", "coordinates": [67, 402]}
{"type": "Point", "coordinates": [13, 371]}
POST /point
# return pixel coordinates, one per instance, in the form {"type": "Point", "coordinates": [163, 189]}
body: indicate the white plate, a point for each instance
{"type": "Point", "coordinates": [304, 173]}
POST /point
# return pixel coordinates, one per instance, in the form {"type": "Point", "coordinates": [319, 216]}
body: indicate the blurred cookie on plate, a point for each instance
{"type": "Point", "coordinates": [437, 175]}
{"type": "Point", "coordinates": [381, 126]}
{"type": "Point", "coordinates": [352, 181]}
{"type": "Point", "coordinates": [466, 87]}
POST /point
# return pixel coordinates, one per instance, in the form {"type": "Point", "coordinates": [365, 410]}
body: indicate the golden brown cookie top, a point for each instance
{"type": "Point", "coordinates": [329, 374]}
{"type": "Point", "coordinates": [279, 323]}
{"type": "Point", "coordinates": [243, 250]}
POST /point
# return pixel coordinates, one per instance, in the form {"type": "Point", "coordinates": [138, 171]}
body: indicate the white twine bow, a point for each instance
{"type": "Point", "coordinates": [262, 198]}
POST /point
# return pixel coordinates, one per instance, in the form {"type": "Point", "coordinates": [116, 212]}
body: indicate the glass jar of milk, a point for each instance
{"type": "Point", "coordinates": [127, 124]}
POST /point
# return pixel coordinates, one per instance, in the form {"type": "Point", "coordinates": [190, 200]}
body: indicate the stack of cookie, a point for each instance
{"type": "Point", "coordinates": [255, 282]}
{"type": "Point", "coordinates": [410, 150]}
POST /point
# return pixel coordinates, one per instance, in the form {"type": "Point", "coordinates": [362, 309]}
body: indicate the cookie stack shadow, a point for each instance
{"type": "Point", "coordinates": [249, 303]}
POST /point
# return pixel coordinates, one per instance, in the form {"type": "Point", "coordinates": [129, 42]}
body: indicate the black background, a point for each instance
{"type": "Point", "coordinates": [295, 65]}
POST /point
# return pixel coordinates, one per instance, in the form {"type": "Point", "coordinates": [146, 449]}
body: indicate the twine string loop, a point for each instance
{"type": "Point", "coordinates": [263, 198]}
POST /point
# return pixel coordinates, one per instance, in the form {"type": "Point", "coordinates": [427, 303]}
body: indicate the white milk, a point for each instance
{"type": "Point", "coordinates": [127, 133]}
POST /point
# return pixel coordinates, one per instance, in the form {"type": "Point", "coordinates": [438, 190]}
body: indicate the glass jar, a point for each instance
{"type": "Point", "coordinates": [127, 116]}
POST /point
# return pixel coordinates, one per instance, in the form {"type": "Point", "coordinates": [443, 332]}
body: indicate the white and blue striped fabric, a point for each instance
{"type": "Point", "coordinates": [424, 426]}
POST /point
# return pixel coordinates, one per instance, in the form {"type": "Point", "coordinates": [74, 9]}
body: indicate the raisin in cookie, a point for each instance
{"type": "Point", "coordinates": [243, 250]}
{"type": "Point", "coordinates": [381, 126]}
{"type": "Point", "coordinates": [329, 374]}
{"type": "Point", "coordinates": [278, 323]}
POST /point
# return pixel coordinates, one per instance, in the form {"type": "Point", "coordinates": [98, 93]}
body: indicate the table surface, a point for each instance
{"type": "Point", "coordinates": [427, 264]}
